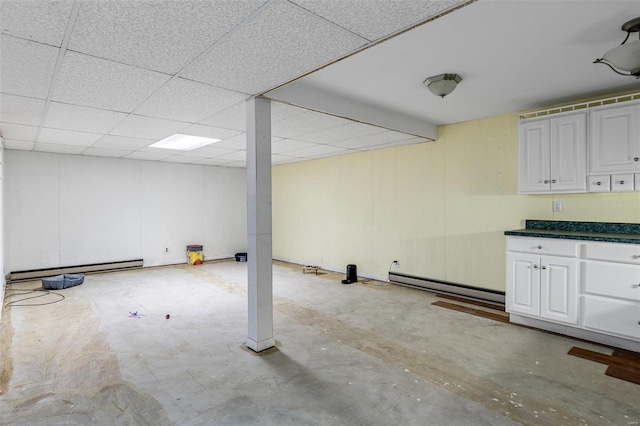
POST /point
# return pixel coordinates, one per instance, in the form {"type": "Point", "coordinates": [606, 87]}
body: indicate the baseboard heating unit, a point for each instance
{"type": "Point", "coordinates": [445, 287]}
{"type": "Point", "coordinates": [36, 274]}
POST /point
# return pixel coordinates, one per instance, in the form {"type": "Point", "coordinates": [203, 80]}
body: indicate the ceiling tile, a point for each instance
{"type": "Point", "coordinates": [283, 159]}
{"type": "Point", "coordinates": [21, 145]}
{"type": "Point", "coordinates": [162, 36]}
{"type": "Point", "coordinates": [280, 55]}
{"type": "Point", "coordinates": [59, 148]}
{"type": "Point", "coordinates": [186, 100]}
{"type": "Point", "coordinates": [19, 132]}
{"type": "Point", "coordinates": [317, 151]}
{"type": "Point", "coordinates": [233, 117]}
{"type": "Point", "coordinates": [89, 81]}
{"type": "Point", "coordinates": [372, 140]}
{"type": "Point", "coordinates": [335, 134]}
{"type": "Point", "coordinates": [67, 137]}
{"type": "Point", "coordinates": [234, 156]}
{"type": "Point", "coordinates": [147, 127]}
{"type": "Point", "coordinates": [26, 68]}
{"type": "Point", "coordinates": [84, 119]}
{"type": "Point", "coordinates": [236, 164]}
{"type": "Point", "coordinates": [375, 19]}
{"type": "Point", "coordinates": [44, 21]}
{"type": "Point", "coordinates": [210, 151]}
{"type": "Point", "coordinates": [150, 156]}
{"type": "Point", "coordinates": [209, 132]}
{"type": "Point", "coordinates": [288, 145]}
{"type": "Point", "coordinates": [235, 142]}
{"type": "Point", "coordinates": [212, 162]}
{"type": "Point", "coordinates": [161, 151]}
{"type": "Point", "coordinates": [306, 123]}
{"type": "Point", "coordinates": [281, 111]}
{"type": "Point", "coordinates": [123, 142]}
{"type": "Point", "coordinates": [21, 110]}
{"type": "Point", "coordinates": [100, 152]}
{"type": "Point", "coordinates": [181, 159]}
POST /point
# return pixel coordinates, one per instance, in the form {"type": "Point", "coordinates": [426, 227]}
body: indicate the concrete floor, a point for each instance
{"type": "Point", "coordinates": [359, 354]}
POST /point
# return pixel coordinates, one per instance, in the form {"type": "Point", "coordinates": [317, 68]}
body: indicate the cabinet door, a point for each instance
{"type": "Point", "coordinates": [615, 139]}
{"type": "Point", "coordinates": [569, 153]}
{"type": "Point", "coordinates": [533, 156]}
{"type": "Point", "coordinates": [559, 289]}
{"type": "Point", "coordinates": [523, 284]}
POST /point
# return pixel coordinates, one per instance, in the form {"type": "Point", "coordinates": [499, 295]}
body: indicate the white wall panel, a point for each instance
{"type": "Point", "coordinates": [172, 211]}
{"type": "Point", "coordinates": [63, 210]}
{"type": "Point", "coordinates": [225, 212]}
{"type": "Point", "coordinates": [99, 210]}
{"type": "Point", "coordinates": [32, 201]}
{"type": "Point", "coordinates": [2, 261]}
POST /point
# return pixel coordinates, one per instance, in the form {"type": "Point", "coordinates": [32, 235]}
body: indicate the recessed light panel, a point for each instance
{"type": "Point", "coordinates": [183, 142]}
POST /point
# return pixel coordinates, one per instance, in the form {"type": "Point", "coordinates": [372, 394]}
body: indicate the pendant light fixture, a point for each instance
{"type": "Point", "coordinates": [625, 59]}
{"type": "Point", "coordinates": [443, 84]}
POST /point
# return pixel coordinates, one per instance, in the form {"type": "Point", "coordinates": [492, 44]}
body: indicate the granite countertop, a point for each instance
{"type": "Point", "coordinates": [628, 233]}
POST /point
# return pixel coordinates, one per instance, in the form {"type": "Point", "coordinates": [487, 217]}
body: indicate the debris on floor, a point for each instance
{"type": "Point", "coordinates": [310, 268]}
{"type": "Point", "coordinates": [136, 314]}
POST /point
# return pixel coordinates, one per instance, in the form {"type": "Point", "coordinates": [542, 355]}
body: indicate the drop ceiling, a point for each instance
{"type": "Point", "coordinates": [109, 78]}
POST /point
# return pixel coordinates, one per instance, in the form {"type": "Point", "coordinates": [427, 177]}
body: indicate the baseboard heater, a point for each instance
{"type": "Point", "coordinates": [438, 286]}
{"type": "Point", "coordinates": [35, 274]}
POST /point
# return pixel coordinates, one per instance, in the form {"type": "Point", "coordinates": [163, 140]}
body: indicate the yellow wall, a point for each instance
{"type": "Point", "coordinates": [440, 207]}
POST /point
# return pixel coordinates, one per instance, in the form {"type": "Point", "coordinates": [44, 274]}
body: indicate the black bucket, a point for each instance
{"type": "Point", "coordinates": [352, 273]}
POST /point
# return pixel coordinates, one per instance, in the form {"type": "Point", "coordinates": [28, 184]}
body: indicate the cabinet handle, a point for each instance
{"type": "Point", "coordinates": [621, 182]}
{"type": "Point", "coordinates": [546, 181]}
{"type": "Point", "coordinates": [598, 183]}
{"type": "Point", "coordinates": [544, 267]}
{"type": "Point", "coordinates": [553, 181]}
{"type": "Point", "coordinates": [636, 158]}
{"type": "Point", "coordinates": [635, 256]}
{"type": "Point", "coordinates": [535, 266]}
{"type": "Point", "coordinates": [635, 286]}
{"type": "Point", "coordinates": [539, 247]}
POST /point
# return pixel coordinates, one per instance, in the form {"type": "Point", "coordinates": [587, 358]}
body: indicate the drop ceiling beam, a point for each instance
{"type": "Point", "coordinates": [307, 96]}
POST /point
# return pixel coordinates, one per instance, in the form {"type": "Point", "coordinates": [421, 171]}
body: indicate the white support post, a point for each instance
{"type": "Point", "coordinates": [259, 256]}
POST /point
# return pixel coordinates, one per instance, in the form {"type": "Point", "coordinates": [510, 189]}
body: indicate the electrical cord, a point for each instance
{"type": "Point", "coordinates": [25, 292]}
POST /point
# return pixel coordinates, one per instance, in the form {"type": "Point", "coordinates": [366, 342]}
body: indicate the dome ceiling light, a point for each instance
{"type": "Point", "coordinates": [625, 59]}
{"type": "Point", "coordinates": [443, 84]}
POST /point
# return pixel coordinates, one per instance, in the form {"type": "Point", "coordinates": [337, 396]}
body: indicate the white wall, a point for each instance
{"type": "Point", "coordinates": [64, 210]}
{"type": "Point", "coordinates": [441, 207]}
{"type": "Point", "coordinates": [2, 270]}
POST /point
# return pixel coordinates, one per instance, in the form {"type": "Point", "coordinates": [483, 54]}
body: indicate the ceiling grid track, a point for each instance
{"type": "Point", "coordinates": [56, 72]}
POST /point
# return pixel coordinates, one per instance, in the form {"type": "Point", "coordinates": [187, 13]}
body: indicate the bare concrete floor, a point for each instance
{"type": "Point", "coordinates": [359, 354]}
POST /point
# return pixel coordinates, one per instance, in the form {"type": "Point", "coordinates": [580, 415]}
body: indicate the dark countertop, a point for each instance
{"type": "Point", "coordinates": [586, 231]}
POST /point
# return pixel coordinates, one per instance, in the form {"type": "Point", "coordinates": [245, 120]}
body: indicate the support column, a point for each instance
{"type": "Point", "coordinates": [259, 256]}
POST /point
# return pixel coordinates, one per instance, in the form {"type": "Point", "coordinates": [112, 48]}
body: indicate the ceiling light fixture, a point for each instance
{"type": "Point", "coordinates": [183, 142]}
{"type": "Point", "coordinates": [625, 59]}
{"type": "Point", "coordinates": [443, 84]}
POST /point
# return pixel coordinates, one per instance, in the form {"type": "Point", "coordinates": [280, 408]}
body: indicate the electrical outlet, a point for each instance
{"type": "Point", "coordinates": [396, 262]}
{"type": "Point", "coordinates": [166, 250]}
{"type": "Point", "coordinates": [557, 206]}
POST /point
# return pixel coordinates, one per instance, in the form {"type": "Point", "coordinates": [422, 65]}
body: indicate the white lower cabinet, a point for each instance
{"type": "Point", "coordinates": [611, 289]}
{"type": "Point", "coordinates": [592, 288]}
{"type": "Point", "coordinates": [543, 287]}
{"type": "Point", "coordinates": [611, 316]}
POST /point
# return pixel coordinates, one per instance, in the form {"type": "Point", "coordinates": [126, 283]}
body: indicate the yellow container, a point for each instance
{"type": "Point", "coordinates": [194, 254]}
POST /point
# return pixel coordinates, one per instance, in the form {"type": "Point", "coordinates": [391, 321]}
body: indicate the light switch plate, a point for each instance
{"type": "Point", "coordinates": [557, 206]}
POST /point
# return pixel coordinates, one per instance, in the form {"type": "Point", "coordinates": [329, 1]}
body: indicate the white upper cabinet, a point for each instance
{"type": "Point", "coordinates": [534, 165]}
{"type": "Point", "coordinates": [615, 139]}
{"type": "Point", "coordinates": [552, 154]}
